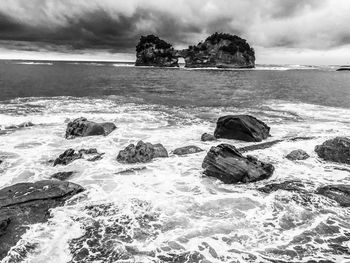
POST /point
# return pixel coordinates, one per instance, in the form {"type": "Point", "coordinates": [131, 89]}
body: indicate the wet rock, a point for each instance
{"type": "Point", "coordinates": [227, 164]}
{"type": "Point", "coordinates": [88, 151]}
{"type": "Point", "coordinates": [141, 153]}
{"type": "Point", "coordinates": [62, 175]}
{"type": "Point", "coordinates": [207, 137]}
{"type": "Point", "coordinates": [67, 157]}
{"type": "Point", "coordinates": [340, 193]}
{"type": "Point", "coordinates": [81, 127]}
{"type": "Point", "coordinates": [241, 127]}
{"type": "Point", "coordinates": [24, 204]}
{"type": "Point", "coordinates": [297, 155]}
{"type": "Point", "coordinates": [187, 150]}
{"type": "Point", "coordinates": [132, 170]}
{"type": "Point", "coordinates": [188, 257]}
{"type": "Point", "coordinates": [292, 186]}
{"type": "Point", "coordinates": [336, 150]}
{"type": "Point", "coordinates": [259, 146]}
{"type": "Point", "coordinates": [95, 158]}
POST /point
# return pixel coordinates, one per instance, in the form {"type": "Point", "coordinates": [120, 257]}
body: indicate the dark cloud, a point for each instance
{"type": "Point", "coordinates": [116, 25]}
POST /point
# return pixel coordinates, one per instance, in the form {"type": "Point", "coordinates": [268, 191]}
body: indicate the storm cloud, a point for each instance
{"type": "Point", "coordinates": [116, 25]}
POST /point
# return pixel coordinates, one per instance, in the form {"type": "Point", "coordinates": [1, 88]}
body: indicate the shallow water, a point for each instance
{"type": "Point", "coordinates": [169, 211]}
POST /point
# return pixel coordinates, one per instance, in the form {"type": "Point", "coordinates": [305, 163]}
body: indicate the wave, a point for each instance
{"type": "Point", "coordinates": [34, 63]}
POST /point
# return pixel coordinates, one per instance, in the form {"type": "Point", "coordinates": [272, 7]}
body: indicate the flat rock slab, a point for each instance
{"type": "Point", "coordinates": [82, 127]}
{"type": "Point", "coordinates": [24, 204]}
{"type": "Point", "coordinates": [187, 150]}
{"type": "Point", "coordinates": [227, 164]}
{"type": "Point", "coordinates": [339, 193]}
{"type": "Point", "coordinates": [241, 127]}
{"type": "Point", "coordinates": [335, 150]}
{"type": "Point", "coordinates": [141, 153]}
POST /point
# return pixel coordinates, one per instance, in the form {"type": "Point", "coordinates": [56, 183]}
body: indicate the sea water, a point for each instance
{"type": "Point", "coordinates": [167, 210]}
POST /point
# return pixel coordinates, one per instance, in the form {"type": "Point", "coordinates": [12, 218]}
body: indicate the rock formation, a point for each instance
{"type": "Point", "coordinates": [24, 204]}
{"type": "Point", "coordinates": [336, 150]}
{"type": "Point", "coordinates": [221, 51]}
{"type": "Point", "coordinates": [226, 163]}
{"type": "Point", "coordinates": [81, 127]}
{"type": "Point", "coordinates": [241, 127]}
{"type": "Point", "coordinates": [71, 155]}
{"type": "Point", "coordinates": [153, 51]}
{"type": "Point", "coordinates": [339, 193]}
{"type": "Point", "coordinates": [207, 137]}
{"type": "Point", "coordinates": [297, 155]}
{"type": "Point", "coordinates": [218, 50]}
{"type": "Point", "coordinates": [141, 153]}
{"type": "Point", "coordinates": [187, 150]}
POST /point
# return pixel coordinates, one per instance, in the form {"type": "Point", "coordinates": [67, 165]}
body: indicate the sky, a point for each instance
{"type": "Point", "coordinates": [309, 32]}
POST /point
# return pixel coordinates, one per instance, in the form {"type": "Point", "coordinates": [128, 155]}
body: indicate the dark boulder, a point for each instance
{"type": "Point", "coordinates": [67, 157]}
{"type": "Point", "coordinates": [226, 163]}
{"type": "Point", "coordinates": [340, 193]}
{"type": "Point", "coordinates": [336, 150]}
{"type": "Point", "coordinates": [141, 153]}
{"type": "Point", "coordinates": [187, 150]}
{"type": "Point", "coordinates": [81, 127]}
{"type": "Point", "coordinates": [241, 127]}
{"type": "Point", "coordinates": [207, 137]}
{"type": "Point", "coordinates": [297, 155]}
{"type": "Point", "coordinates": [62, 175]}
{"type": "Point", "coordinates": [24, 204]}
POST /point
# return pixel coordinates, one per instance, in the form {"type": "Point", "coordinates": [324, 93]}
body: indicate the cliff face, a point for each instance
{"type": "Point", "coordinates": [218, 50]}
{"type": "Point", "coordinates": [222, 51]}
{"type": "Point", "coordinates": [153, 51]}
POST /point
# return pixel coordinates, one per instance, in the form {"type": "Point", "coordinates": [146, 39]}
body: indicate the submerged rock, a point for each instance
{"type": "Point", "coordinates": [81, 127]}
{"type": "Point", "coordinates": [297, 155]}
{"type": "Point", "coordinates": [67, 157]}
{"type": "Point", "coordinates": [340, 193]}
{"type": "Point", "coordinates": [220, 50]}
{"type": "Point", "coordinates": [230, 166]}
{"type": "Point", "coordinates": [187, 150]}
{"type": "Point", "coordinates": [24, 204]}
{"type": "Point", "coordinates": [22, 125]}
{"type": "Point", "coordinates": [141, 153]}
{"type": "Point", "coordinates": [336, 150]}
{"type": "Point", "coordinates": [241, 127]}
{"type": "Point", "coordinates": [153, 51]}
{"type": "Point", "coordinates": [207, 137]}
{"type": "Point", "coordinates": [62, 175]}
{"type": "Point", "coordinates": [292, 186]}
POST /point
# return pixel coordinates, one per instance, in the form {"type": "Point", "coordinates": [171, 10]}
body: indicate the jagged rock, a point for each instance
{"type": "Point", "coordinates": [81, 127]}
{"type": "Point", "coordinates": [336, 150]}
{"type": "Point", "coordinates": [230, 166]}
{"type": "Point", "coordinates": [187, 150]}
{"type": "Point", "coordinates": [292, 186]}
{"type": "Point", "coordinates": [67, 157]}
{"type": "Point", "coordinates": [62, 175]}
{"type": "Point", "coordinates": [24, 204]}
{"type": "Point", "coordinates": [141, 153]}
{"type": "Point", "coordinates": [207, 137]}
{"type": "Point", "coordinates": [153, 51]}
{"type": "Point", "coordinates": [241, 127]}
{"type": "Point", "coordinates": [222, 51]}
{"type": "Point", "coordinates": [340, 193]}
{"type": "Point", "coordinates": [297, 155]}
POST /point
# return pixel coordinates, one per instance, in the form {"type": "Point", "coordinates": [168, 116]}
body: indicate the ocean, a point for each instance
{"type": "Point", "coordinates": [167, 210]}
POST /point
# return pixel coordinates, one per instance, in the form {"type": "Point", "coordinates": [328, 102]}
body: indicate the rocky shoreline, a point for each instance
{"type": "Point", "coordinates": [24, 204]}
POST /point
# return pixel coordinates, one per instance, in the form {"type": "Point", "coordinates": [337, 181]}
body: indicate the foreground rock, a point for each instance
{"type": "Point", "coordinates": [207, 137]}
{"type": "Point", "coordinates": [141, 153]}
{"type": "Point", "coordinates": [222, 51]}
{"type": "Point", "coordinates": [230, 166]}
{"type": "Point", "coordinates": [153, 51]}
{"type": "Point", "coordinates": [187, 150]}
{"type": "Point", "coordinates": [297, 155]}
{"type": "Point", "coordinates": [71, 155]}
{"type": "Point", "coordinates": [81, 127]}
{"type": "Point", "coordinates": [340, 193]}
{"type": "Point", "coordinates": [24, 204]}
{"type": "Point", "coordinates": [241, 127]}
{"type": "Point", "coordinates": [336, 150]}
